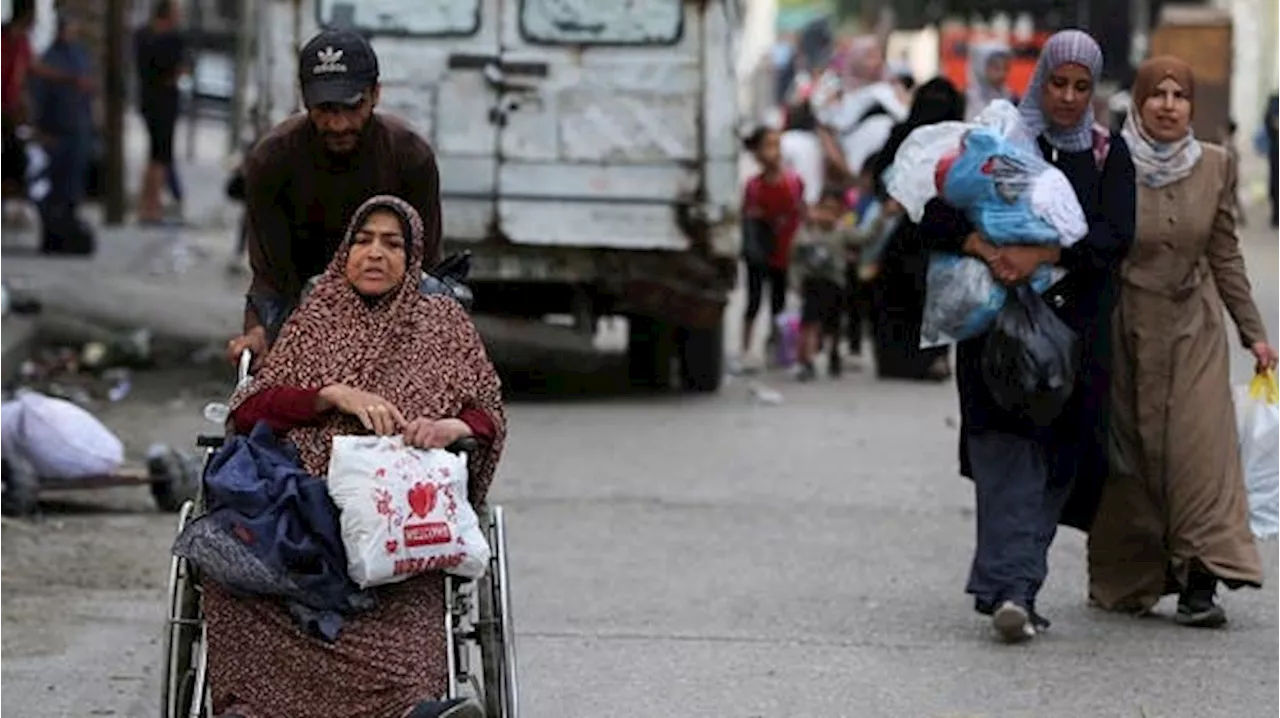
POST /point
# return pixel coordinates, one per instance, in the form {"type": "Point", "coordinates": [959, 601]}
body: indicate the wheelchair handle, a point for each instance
{"type": "Point", "coordinates": [242, 368]}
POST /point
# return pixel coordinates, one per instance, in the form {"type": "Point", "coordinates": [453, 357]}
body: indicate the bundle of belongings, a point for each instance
{"type": "Point", "coordinates": [990, 170]}
{"type": "Point", "coordinates": [272, 530]}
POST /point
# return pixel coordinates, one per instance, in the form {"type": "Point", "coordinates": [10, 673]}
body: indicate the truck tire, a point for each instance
{"type": "Point", "coordinates": [650, 349]}
{"type": "Point", "coordinates": [702, 359]}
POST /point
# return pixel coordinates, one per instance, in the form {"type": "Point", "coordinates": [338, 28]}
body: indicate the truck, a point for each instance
{"type": "Point", "coordinates": [588, 154]}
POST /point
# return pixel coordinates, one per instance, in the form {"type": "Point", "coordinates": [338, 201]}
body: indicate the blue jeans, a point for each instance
{"type": "Point", "coordinates": [1019, 503]}
{"type": "Point", "coordinates": [69, 159]}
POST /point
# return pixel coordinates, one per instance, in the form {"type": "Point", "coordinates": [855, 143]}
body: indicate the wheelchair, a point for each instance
{"type": "Point", "coordinates": [479, 634]}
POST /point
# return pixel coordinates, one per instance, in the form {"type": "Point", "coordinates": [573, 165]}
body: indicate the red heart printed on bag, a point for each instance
{"type": "Point", "coordinates": [422, 498]}
{"type": "Point", "coordinates": [392, 545]}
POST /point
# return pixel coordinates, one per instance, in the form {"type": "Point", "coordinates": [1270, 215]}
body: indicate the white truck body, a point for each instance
{"type": "Point", "coordinates": [588, 149]}
{"type": "Point", "coordinates": [567, 123]}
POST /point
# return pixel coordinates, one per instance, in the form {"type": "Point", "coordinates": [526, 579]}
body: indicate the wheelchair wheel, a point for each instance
{"type": "Point", "coordinates": [496, 629]}
{"type": "Point", "coordinates": [175, 479]}
{"type": "Point", "coordinates": [184, 685]}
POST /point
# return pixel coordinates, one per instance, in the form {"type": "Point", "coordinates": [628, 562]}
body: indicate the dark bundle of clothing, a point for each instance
{"type": "Point", "coordinates": [898, 293]}
{"type": "Point", "coordinates": [272, 530]}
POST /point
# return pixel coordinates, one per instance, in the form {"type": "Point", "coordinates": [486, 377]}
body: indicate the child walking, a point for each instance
{"type": "Point", "coordinates": [772, 211]}
{"type": "Point", "coordinates": [821, 255]}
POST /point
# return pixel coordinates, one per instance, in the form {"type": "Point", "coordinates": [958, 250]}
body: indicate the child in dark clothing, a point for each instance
{"type": "Point", "coordinates": [821, 254]}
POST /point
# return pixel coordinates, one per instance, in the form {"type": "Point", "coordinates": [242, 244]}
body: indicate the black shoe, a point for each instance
{"type": "Point", "coordinates": [1039, 622]}
{"type": "Point", "coordinates": [835, 366]}
{"type": "Point", "coordinates": [1197, 605]}
{"type": "Point", "coordinates": [456, 708]}
{"type": "Point", "coordinates": [807, 372]}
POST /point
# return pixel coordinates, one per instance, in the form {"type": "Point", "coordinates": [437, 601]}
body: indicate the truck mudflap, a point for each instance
{"type": "Point", "coordinates": [684, 290]}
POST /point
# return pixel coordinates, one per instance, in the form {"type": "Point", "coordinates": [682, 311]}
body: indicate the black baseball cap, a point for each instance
{"type": "Point", "coordinates": [336, 67]}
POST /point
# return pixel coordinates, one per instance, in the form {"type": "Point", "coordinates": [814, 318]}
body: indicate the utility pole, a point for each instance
{"type": "Point", "coordinates": [245, 43]}
{"type": "Point", "coordinates": [114, 109]}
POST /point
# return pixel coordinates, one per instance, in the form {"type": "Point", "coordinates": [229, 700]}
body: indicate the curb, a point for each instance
{"type": "Point", "coordinates": [20, 337]}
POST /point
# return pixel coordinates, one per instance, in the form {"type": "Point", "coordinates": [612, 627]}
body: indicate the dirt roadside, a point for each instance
{"type": "Point", "coordinates": [84, 582]}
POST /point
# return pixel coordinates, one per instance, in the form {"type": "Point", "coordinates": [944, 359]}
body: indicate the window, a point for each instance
{"type": "Point", "coordinates": [595, 22]}
{"type": "Point", "coordinates": [402, 17]}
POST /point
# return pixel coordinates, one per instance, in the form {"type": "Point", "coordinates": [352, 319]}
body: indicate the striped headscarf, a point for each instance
{"type": "Point", "coordinates": [1064, 48]}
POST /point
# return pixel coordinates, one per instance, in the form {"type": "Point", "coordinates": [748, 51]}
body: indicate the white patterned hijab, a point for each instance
{"type": "Point", "coordinates": [1068, 47]}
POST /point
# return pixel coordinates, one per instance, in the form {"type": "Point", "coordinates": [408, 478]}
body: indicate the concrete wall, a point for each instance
{"type": "Point", "coordinates": [1254, 61]}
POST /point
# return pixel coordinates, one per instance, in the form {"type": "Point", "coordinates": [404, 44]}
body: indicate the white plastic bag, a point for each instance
{"type": "Point", "coordinates": [910, 179]}
{"type": "Point", "coordinates": [404, 511]}
{"type": "Point", "coordinates": [58, 438]}
{"type": "Point", "coordinates": [1258, 418]}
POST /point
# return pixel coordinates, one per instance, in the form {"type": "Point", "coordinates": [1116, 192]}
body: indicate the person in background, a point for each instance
{"type": "Point", "coordinates": [309, 173]}
{"type": "Point", "coordinates": [64, 118]}
{"type": "Point", "coordinates": [811, 151]}
{"type": "Point", "coordinates": [988, 77]}
{"type": "Point", "coordinates": [1271, 121]}
{"type": "Point", "coordinates": [19, 64]}
{"type": "Point", "coordinates": [819, 260]}
{"type": "Point", "coordinates": [15, 44]}
{"type": "Point", "coordinates": [773, 209]}
{"type": "Point", "coordinates": [1229, 143]}
{"type": "Point", "coordinates": [1029, 478]}
{"type": "Point", "coordinates": [871, 103]}
{"type": "Point", "coordinates": [1174, 515]}
{"type": "Point", "coordinates": [867, 209]}
{"type": "Point", "coordinates": [787, 63]}
{"type": "Point", "coordinates": [160, 56]}
{"type": "Point", "coordinates": [898, 289]}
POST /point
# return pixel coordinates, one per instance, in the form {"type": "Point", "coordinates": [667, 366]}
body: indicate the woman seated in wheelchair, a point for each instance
{"type": "Point", "coordinates": [365, 353]}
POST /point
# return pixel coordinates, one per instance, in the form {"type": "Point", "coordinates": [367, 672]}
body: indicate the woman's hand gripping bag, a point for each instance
{"type": "Point", "coordinates": [1258, 418]}
{"type": "Point", "coordinates": [404, 511]}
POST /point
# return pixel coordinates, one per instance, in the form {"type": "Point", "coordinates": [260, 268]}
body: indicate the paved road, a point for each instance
{"type": "Point", "coordinates": [692, 557]}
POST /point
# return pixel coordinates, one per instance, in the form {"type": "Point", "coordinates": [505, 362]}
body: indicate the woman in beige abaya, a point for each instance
{"type": "Point", "coordinates": [1174, 514]}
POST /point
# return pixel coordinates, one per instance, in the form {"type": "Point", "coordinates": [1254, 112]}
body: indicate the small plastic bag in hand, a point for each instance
{"type": "Point", "coordinates": [1258, 419]}
{"type": "Point", "coordinates": [1030, 360]}
{"type": "Point", "coordinates": [404, 511]}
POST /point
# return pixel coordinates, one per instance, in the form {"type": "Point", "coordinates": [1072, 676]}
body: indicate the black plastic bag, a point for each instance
{"type": "Point", "coordinates": [1030, 359]}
